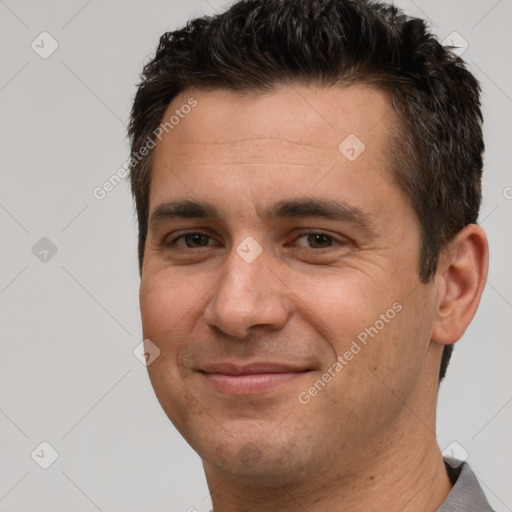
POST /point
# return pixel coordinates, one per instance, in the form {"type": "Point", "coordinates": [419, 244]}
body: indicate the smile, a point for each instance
{"type": "Point", "coordinates": [250, 379]}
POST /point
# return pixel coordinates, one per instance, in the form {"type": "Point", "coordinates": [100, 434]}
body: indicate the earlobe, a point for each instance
{"type": "Point", "coordinates": [460, 280]}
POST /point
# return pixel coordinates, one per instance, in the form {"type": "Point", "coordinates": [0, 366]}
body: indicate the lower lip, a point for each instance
{"type": "Point", "coordinates": [253, 383]}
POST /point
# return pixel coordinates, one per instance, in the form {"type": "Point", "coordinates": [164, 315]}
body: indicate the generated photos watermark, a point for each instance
{"type": "Point", "coordinates": [304, 397]}
{"type": "Point", "coordinates": [100, 192]}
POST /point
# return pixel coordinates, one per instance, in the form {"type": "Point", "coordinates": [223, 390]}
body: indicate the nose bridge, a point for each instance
{"type": "Point", "coordinates": [247, 294]}
{"type": "Point", "coordinates": [244, 286]}
{"type": "Point", "coordinates": [240, 287]}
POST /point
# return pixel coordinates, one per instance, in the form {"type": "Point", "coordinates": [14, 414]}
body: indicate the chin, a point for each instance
{"type": "Point", "coordinates": [260, 460]}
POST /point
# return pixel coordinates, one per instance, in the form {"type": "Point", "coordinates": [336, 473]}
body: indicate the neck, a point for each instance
{"type": "Point", "coordinates": [402, 470]}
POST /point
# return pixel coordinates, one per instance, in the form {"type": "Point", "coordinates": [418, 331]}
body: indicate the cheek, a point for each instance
{"type": "Point", "coordinates": [343, 306]}
{"type": "Point", "coordinates": [166, 308]}
{"type": "Point", "coordinates": [397, 355]}
{"type": "Point", "coordinates": [379, 371]}
{"type": "Point", "coordinates": [381, 332]}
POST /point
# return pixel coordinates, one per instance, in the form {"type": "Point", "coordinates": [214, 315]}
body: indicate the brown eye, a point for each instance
{"type": "Point", "coordinates": [196, 240]}
{"type": "Point", "coordinates": [319, 241]}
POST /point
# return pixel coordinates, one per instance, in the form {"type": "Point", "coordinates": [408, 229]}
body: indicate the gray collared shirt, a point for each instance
{"type": "Point", "coordinates": [466, 494]}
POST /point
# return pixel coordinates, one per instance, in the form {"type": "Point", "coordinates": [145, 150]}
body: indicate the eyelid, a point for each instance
{"type": "Point", "coordinates": [335, 238]}
{"type": "Point", "coordinates": [172, 238]}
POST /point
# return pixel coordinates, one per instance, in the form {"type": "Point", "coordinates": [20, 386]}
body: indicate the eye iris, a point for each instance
{"type": "Point", "coordinates": [316, 240]}
{"type": "Point", "coordinates": [196, 239]}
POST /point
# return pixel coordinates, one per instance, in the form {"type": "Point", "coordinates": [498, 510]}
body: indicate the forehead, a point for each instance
{"type": "Point", "coordinates": [285, 140]}
{"type": "Point", "coordinates": [304, 115]}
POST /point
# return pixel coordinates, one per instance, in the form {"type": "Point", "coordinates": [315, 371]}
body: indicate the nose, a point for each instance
{"type": "Point", "coordinates": [248, 295]}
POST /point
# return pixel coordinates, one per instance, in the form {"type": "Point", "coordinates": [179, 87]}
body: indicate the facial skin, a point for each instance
{"type": "Point", "coordinates": [367, 439]}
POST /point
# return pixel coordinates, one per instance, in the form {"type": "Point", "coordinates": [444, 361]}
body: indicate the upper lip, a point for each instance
{"type": "Point", "coordinates": [228, 368]}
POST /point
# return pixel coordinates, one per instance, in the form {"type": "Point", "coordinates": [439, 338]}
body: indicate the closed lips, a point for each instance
{"type": "Point", "coordinates": [251, 369]}
{"type": "Point", "coordinates": [254, 378]}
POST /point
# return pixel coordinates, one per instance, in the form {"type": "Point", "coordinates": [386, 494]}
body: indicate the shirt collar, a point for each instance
{"type": "Point", "coordinates": [467, 494]}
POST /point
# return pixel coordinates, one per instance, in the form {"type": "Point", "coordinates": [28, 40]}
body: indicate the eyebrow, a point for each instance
{"type": "Point", "coordinates": [293, 208]}
{"type": "Point", "coordinates": [323, 208]}
{"type": "Point", "coordinates": [182, 209]}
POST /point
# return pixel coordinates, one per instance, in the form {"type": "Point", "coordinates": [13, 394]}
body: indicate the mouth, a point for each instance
{"type": "Point", "coordinates": [252, 378]}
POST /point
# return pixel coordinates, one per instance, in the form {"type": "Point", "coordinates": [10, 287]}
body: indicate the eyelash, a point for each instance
{"type": "Point", "coordinates": [333, 240]}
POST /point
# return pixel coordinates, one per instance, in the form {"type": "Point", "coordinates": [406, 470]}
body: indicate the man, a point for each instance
{"type": "Point", "coordinates": [307, 182]}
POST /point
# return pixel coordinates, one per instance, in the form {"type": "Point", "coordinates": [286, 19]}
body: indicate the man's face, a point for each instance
{"type": "Point", "coordinates": [258, 292]}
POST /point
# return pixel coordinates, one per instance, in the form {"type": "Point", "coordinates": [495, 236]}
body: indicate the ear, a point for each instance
{"type": "Point", "coordinates": [460, 280]}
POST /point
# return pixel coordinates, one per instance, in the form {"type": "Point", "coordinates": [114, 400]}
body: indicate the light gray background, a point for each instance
{"type": "Point", "coordinates": [69, 325]}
